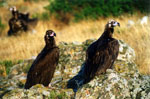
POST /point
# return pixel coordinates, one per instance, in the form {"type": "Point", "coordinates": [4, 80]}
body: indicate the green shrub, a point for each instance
{"type": "Point", "coordinates": [45, 16]}
{"type": "Point", "coordinates": [42, 16]}
{"type": "Point", "coordinates": [8, 64]}
{"type": "Point", "coordinates": [92, 9]}
{"type": "Point", "coordinates": [142, 5]}
{"type": "Point", "coordinates": [36, 15]}
{"type": "Point", "coordinates": [2, 3]}
{"type": "Point", "coordinates": [2, 26]}
{"type": "Point", "coordinates": [32, 0]}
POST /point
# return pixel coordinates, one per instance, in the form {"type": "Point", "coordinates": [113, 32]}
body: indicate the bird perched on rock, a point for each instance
{"type": "Point", "coordinates": [15, 24]}
{"type": "Point", "coordinates": [20, 21]}
{"type": "Point", "coordinates": [100, 56]}
{"type": "Point", "coordinates": [43, 68]}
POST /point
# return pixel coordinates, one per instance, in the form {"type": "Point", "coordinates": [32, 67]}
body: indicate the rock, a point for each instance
{"type": "Point", "coordinates": [124, 81]}
{"type": "Point", "coordinates": [126, 53]}
{"type": "Point", "coordinates": [144, 20]}
{"type": "Point", "coordinates": [33, 31]}
{"type": "Point", "coordinates": [130, 23]}
{"type": "Point", "coordinates": [38, 92]}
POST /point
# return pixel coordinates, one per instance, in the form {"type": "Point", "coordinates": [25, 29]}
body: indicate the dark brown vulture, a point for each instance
{"type": "Point", "coordinates": [20, 21]}
{"type": "Point", "coordinates": [100, 56]}
{"type": "Point", "coordinates": [43, 68]}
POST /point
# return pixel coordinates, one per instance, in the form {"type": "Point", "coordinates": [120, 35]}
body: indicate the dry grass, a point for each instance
{"type": "Point", "coordinates": [28, 45]}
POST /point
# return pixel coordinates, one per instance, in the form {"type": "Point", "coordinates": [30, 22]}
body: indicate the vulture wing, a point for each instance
{"type": "Point", "coordinates": [43, 68]}
{"type": "Point", "coordinates": [101, 57]}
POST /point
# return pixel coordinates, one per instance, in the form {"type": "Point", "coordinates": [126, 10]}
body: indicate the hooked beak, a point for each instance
{"type": "Point", "coordinates": [53, 34]}
{"type": "Point", "coordinates": [116, 23]}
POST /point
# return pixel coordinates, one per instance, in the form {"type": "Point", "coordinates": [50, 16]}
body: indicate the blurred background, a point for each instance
{"type": "Point", "coordinates": [76, 21]}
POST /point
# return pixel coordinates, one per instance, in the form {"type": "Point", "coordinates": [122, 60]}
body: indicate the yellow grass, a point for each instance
{"type": "Point", "coordinates": [28, 44]}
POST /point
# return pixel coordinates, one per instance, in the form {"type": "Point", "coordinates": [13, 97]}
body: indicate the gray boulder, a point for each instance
{"type": "Point", "coordinates": [122, 82]}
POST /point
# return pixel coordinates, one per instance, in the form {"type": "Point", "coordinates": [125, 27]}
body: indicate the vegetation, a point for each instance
{"type": "Point", "coordinates": [32, 0]}
{"type": "Point", "coordinates": [2, 26]}
{"type": "Point", "coordinates": [26, 68]}
{"type": "Point", "coordinates": [24, 46]}
{"type": "Point", "coordinates": [2, 3]}
{"type": "Point", "coordinates": [43, 16]}
{"type": "Point", "coordinates": [27, 45]}
{"type": "Point", "coordinates": [8, 64]}
{"type": "Point", "coordinates": [93, 9]}
{"type": "Point", "coordinates": [56, 95]}
{"type": "Point", "coordinates": [142, 5]}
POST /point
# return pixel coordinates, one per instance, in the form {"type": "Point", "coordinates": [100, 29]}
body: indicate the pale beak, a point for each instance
{"type": "Point", "coordinates": [53, 34]}
{"type": "Point", "coordinates": [116, 23]}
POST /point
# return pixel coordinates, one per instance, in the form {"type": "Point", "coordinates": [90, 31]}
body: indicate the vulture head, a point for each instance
{"type": "Point", "coordinates": [49, 37]}
{"type": "Point", "coordinates": [112, 24]}
{"type": "Point", "coordinates": [14, 11]}
{"type": "Point", "coordinates": [109, 27]}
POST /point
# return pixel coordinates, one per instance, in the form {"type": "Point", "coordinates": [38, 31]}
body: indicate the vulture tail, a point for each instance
{"type": "Point", "coordinates": [27, 85]}
{"type": "Point", "coordinates": [77, 81]}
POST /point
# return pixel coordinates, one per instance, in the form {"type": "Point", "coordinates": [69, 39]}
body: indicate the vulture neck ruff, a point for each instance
{"type": "Point", "coordinates": [108, 33]}
{"type": "Point", "coordinates": [50, 43]}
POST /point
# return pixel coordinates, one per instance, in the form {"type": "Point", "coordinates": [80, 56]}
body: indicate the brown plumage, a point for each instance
{"type": "Point", "coordinates": [19, 22]}
{"type": "Point", "coordinates": [15, 24]}
{"type": "Point", "coordinates": [100, 56]}
{"type": "Point", "coordinates": [43, 68]}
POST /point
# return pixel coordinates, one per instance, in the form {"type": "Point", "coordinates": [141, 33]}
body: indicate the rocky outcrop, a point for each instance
{"type": "Point", "coordinates": [124, 81]}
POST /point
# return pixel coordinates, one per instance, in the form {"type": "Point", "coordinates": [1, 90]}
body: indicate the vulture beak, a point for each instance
{"type": "Point", "coordinates": [53, 34]}
{"type": "Point", "coordinates": [116, 23]}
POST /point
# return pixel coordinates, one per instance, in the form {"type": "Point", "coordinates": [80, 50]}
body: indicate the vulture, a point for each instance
{"type": "Point", "coordinates": [20, 15]}
{"type": "Point", "coordinates": [43, 68]}
{"type": "Point", "coordinates": [20, 21]}
{"type": "Point", "coordinates": [15, 24]}
{"type": "Point", "coordinates": [100, 56]}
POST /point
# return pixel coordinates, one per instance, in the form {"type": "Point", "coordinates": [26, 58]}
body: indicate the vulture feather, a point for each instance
{"type": "Point", "coordinates": [43, 68]}
{"type": "Point", "coordinates": [20, 21]}
{"type": "Point", "coordinates": [100, 56]}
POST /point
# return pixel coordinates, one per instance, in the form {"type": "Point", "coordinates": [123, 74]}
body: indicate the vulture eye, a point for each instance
{"type": "Point", "coordinates": [115, 23]}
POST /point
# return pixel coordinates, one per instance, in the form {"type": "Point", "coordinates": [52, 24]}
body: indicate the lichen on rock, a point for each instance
{"type": "Point", "coordinates": [122, 82]}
